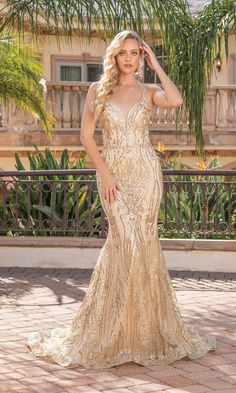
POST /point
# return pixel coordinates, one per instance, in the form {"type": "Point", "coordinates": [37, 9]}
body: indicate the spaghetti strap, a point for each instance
{"type": "Point", "coordinates": [144, 90]}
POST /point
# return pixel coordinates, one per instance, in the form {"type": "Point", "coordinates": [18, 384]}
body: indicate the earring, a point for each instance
{"type": "Point", "coordinates": [140, 71]}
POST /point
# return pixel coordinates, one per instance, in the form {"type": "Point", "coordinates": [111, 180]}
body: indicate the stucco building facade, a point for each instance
{"type": "Point", "coordinates": [71, 67]}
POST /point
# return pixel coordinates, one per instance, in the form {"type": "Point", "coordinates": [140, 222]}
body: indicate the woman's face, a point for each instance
{"type": "Point", "coordinates": [129, 56]}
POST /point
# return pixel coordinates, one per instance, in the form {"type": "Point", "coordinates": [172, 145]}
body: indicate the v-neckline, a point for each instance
{"type": "Point", "coordinates": [133, 106]}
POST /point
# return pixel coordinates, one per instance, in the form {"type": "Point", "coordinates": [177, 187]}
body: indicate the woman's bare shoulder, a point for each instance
{"type": "Point", "coordinates": [92, 93]}
{"type": "Point", "coordinates": [93, 88]}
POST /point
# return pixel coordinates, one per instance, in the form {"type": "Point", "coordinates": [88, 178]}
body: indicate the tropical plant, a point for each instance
{"type": "Point", "coordinates": [69, 205]}
{"type": "Point", "coordinates": [203, 201]}
{"type": "Point", "coordinates": [190, 42]}
{"type": "Point", "coordinates": [61, 205]}
{"type": "Point", "coordinates": [20, 75]}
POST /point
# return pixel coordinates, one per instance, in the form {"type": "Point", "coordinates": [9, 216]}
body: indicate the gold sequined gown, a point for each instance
{"type": "Point", "coordinates": [130, 311]}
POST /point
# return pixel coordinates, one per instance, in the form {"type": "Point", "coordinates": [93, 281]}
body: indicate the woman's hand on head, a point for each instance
{"type": "Point", "coordinates": [149, 56]}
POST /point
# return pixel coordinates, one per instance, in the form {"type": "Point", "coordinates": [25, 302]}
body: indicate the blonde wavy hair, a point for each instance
{"type": "Point", "coordinates": [110, 76]}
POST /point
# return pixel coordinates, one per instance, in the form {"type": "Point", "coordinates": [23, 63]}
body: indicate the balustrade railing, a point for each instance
{"type": "Point", "coordinates": [195, 204]}
{"type": "Point", "coordinates": [66, 100]}
{"type": "Point", "coordinates": [225, 103]}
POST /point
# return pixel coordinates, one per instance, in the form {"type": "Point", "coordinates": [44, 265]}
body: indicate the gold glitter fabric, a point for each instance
{"type": "Point", "coordinates": [130, 311]}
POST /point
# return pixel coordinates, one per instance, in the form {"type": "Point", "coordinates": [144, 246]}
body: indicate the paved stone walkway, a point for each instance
{"type": "Point", "coordinates": [34, 299]}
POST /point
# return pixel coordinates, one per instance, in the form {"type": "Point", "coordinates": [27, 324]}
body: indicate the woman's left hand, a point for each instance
{"type": "Point", "coordinates": [150, 56]}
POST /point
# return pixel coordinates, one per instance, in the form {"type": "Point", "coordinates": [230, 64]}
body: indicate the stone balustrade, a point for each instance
{"type": "Point", "coordinates": [66, 101]}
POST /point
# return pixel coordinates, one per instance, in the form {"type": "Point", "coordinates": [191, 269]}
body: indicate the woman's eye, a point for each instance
{"type": "Point", "coordinates": [123, 53]}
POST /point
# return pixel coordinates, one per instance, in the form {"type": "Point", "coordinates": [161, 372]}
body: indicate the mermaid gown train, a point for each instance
{"type": "Point", "coordinates": [130, 311]}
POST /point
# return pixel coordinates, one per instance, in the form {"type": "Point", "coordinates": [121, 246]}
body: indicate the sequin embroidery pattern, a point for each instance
{"type": "Point", "coordinates": [130, 311]}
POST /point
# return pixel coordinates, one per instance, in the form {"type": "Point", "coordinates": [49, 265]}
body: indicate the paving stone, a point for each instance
{"type": "Point", "coordinates": [10, 385]}
{"type": "Point", "coordinates": [198, 389]}
{"type": "Point", "coordinates": [179, 390]}
{"type": "Point", "coordinates": [47, 387]}
{"type": "Point", "coordinates": [82, 389]}
{"type": "Point", "coordinates": [149, 387]}
{"type": "Point", "coordinates": [177, 380]}
{"type": "Point", "coordinates": [203, 375]}
{"type": "Point", "coordinates": [26, 390]}
{"type": "Point", "coordinates": [11, 376]}
{"type": "Point", "coordinates": [37, 299]}
{"type": "Point", "coordinates": [130, 369]}
{"type": "Point", "coordinates": [228, 369]}
{"type": "Point", "coordinates": [101, 376]}
{"type": "Point", "coordinates": [225, 390]}
{"type": "Point", "coordinates": [191, 367]}
{"type": "Point", "coordinates": [75, 382]}
{"type": "Point", "coordinates": [120, 383]}
{"type": "Point", "coordinates": [216, 383]}
{"type": "Point", "coordinates": [119, 390]}
{"type": "Point", "coordinates": [67, 374]}
{"type": "Point", "coordinates": [231, 379]}
{"type": "Point", "coordinates": [42, 379]}
{"type": "Point", "coordinates": [139, 379]}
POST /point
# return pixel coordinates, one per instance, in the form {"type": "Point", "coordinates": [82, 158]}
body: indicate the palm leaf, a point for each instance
{"type": "Point", "coordinates": [19, 80]}
{"type": "Point", "coordinates": [190, 43]}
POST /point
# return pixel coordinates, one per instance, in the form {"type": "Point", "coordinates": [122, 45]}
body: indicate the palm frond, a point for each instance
{"type": "Point", "coordinates": [190, 42]}
{"type": "Point", "coordinates": [19, 80]}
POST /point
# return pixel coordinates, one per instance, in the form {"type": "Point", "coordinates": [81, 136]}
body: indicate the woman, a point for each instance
{"type": "Point", "coordinates": [130, 311]}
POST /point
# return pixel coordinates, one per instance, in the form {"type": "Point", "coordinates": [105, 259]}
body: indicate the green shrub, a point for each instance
{"type": "Point", "coordinates": [198, 203]}
{"type": "Point", "coordinates": [53, 200]}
